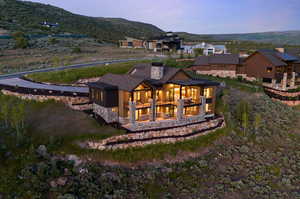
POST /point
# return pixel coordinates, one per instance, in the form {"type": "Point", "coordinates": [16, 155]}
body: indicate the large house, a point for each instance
{"type": "Point", "coordinates": [169, 42]}
{"type": "Point", "coordinates": [225, 65]}
{"type": "Point", "coordinates": [274, 67]}
{"type": "Point", "coordinates": [131, 43]}
{"type": "Point", "coordinates": [153, 95]}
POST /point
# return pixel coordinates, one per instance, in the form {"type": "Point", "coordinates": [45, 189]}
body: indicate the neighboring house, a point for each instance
{"type": "Point", "coordinates": [189, 49]}
{"type": "Point", "coordinates": [274, 67]}
{"type": "Point", "coordinates": [210, 49]}
{"type": "Point", "coordinates": [131, 43]}
{"type": "Point", "coordinates": [224, 65]}
{"type": "Point", "coordinates": [169, 42]}
{"type": "Point", "coordinates": [153, 95]}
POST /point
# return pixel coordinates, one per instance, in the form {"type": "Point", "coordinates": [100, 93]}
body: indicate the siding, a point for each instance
{"type": "Point", "coordinates": [256, 66]}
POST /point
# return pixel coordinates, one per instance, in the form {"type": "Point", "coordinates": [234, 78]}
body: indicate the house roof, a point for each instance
{"type": "Point", "coordinates": [217, 59]}
{"type": "Point", "coordinates": [123, 82]}
{"type": "Point", "coordinates": [144, 71]}
{"type": "Point", "coordinates": [277, 58]}
{"type": "Point", "coordinates": [141, 73]}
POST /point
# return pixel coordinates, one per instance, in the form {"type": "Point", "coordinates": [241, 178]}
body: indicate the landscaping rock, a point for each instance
{"type": "Point", "coordinates": [75, 159]}
{"type": "Point", "coordinates": [42, 151]}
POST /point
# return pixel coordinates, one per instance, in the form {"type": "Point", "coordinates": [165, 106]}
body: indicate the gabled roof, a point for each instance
{"type": "Point", "coordinates": [278, 58]}
{"type": "Point", "coordinates": [141, 73]}
{"type": "Point", "coordinates": [144, 71]}
{"type": "Point", "coordinates": [217, 59]}
{"type": "Point", "coordinates": [123, 82]}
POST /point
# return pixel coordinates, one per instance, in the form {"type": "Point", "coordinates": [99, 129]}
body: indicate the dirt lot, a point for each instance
{"type": "Point", "coordinates": [42, 54]}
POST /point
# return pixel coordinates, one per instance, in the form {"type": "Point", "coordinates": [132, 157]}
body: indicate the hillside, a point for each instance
{"type": "Point", "coordinates": [284, 37]}
{"type": "Point", "coordinates": [27, 16]}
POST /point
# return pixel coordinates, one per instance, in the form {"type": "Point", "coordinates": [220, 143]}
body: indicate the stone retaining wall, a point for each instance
{"type": "Point", "coordinates": [72, 102]}
{"type": "Point", "coordinates": [159, 136]}
{"type": "Point", "coordinates": [283, 96]}
{"type": "Point", "coordinates": [160, 124]}
{"type": "Point", "coordinates": [220, 73]}
{"type": "Point", "coordinates": [284, 93]}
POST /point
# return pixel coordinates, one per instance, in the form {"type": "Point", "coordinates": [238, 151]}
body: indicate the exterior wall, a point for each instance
{"type": "Point", "coordinates": [106, 113]}
{"type": "Point", "coordinates": [220, 73]}
{"type": "Point", "coordinates": [221, 70]}
{"type": "Point", "coordinates": [256, 66]}
{"type": "Point", "coordinates": [160, 136]}
{"type": "Point", "coordinates": [123, 102]}
{"type": "Point", "coordinates": [297, 68]}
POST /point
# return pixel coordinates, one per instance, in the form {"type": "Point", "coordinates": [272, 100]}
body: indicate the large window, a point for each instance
{"type": "Point", "coordinates": [208, 92]}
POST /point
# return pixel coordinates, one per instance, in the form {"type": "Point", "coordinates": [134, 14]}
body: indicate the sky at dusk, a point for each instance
{"type": "Point", "coordinates": [195, 16]}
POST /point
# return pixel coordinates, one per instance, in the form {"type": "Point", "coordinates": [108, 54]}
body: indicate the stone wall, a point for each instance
{"type": "Point", "coordinates": [106, 113]}
{"type": "Point", "coordinates": [77, 103]}
{"type": "Point", "coordinates": [220, 73]}
{"type": "Point", "coordinates": [161, 124]}
{"type": "Point", "coordinates": [159, 136]}
{"type": "Point", "coordinates": [288, 98]}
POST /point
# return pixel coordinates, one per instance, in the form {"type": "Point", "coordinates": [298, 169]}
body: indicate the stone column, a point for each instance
{"type": "Point", "coordinates": [284, 81]}
{"type": "Point", "coordinates": [132, 109]}
{"type": "Point", "coordinates": [180, 106]}
{"type": "Point", "coordinates": [273, 83]}
{"type": "Point", "coordinates": [152, 110]}
{"type": "Point", "coordinates": [293, 80]}
{"type": "Point", "coordinates": [202, 106]}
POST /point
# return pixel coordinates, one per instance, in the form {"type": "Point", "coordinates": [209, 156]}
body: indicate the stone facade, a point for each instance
{"type": "Point", "coordinates": [163, 124]}
{"type": "Point", "coordinates": [220, 73]}
{"type": "Point", "coordinates": [106, 113]}
{"type": "Point", "coordinates": [159, 136]}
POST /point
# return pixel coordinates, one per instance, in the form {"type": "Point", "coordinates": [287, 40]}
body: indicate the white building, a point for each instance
{"type": "Point", "coordinates": [208, 49]}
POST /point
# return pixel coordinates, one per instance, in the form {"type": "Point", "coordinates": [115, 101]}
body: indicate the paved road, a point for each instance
{"type": "Point", "coordinates": [14, 80]}
{"type": "Point", "coordinates": [21, 83]}
{"type": "Point", "coordinates": [14, 75]}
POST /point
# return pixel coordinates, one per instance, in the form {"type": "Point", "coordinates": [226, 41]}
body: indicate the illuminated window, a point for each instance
{"type": "Point", "coordinates": [208, 92]}
{"type": "Point", "coordinates": [208, 108]}
{"type": "Point", "coordinates": [269, 69]}
{"type": "Point", "coordinates": [115, 109]}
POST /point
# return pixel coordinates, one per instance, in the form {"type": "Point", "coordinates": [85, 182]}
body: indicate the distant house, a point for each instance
{"type": "Point", "coordinates": [153, 95]}
{"type": "Point", "coordinates": [210, 49]}
{"type": "Point", "coordinates": [223, 65]}
{"type": "Point", "coordinates": [131, 43]}
{"type": "Point", "coordinates": [49, 25]}
{"type": "Point", "coordinates": [189, 49]}
{"type": "Point", "coordinates": [169, 42]}
{"type": "Point", "coordinates": [274, 67]}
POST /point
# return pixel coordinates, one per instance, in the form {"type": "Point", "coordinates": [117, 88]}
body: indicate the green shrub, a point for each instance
{"type": "Point", "coordinates": [76, 50]}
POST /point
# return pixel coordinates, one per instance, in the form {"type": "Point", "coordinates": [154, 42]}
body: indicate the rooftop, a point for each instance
{"type": "Point", "coordinates": [141, 73]}
{"type": "Point", "coordinates": [217, 59]}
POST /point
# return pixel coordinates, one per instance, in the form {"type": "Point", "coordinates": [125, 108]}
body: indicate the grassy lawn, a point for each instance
{"type": "Point", "coordinates": [72, 75]}
{"type": "Point", "coordinates": [148, 153]}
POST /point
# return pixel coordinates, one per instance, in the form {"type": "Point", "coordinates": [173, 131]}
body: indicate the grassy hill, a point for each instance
{"type": "Point", "coordinates": [284, 37]}
{"type": "Point", "coordinates": [27, 16]}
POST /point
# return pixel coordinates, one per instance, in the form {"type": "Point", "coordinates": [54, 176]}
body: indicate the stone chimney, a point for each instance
{"type": "Point", "coordinates": [281, 50]}
{"type": "Point", "coordinates": [157, 71]}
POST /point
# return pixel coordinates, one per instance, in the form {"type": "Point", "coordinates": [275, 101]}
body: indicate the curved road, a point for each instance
{"type": "Point", "coordinates": [20, 74]}
{"type": "Point", "coordinates": [14, 80]}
